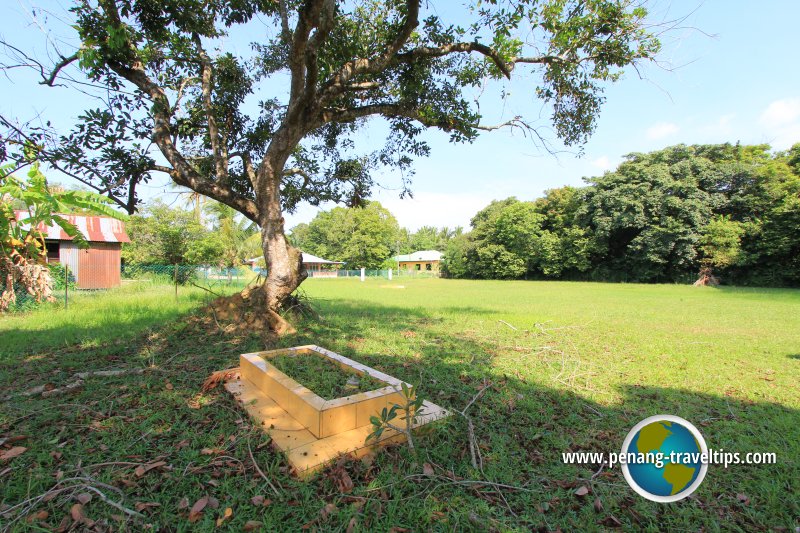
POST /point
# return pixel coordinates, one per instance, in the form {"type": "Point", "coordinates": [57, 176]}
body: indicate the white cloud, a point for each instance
{"type": "Point", "coordinates": [781, 113]}
{"type": "Point", "coordinates": [435, 209]}
{"type": "Point", "coordinates": [661, 130]}
{"type": "Point", "coordinates": [603, 163]}
{"type": "Point", "coordinates": [781, 123]}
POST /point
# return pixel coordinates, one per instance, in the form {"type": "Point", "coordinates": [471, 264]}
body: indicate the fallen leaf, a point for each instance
{"type": "Point", "coordinates": [143, 469]}
{"type": "Point", "coordinates": [598, 505]}
{"type": "Point", "coordinates": [41, 515]}
{"type": "Point", "coordinates": [611, 521]}
{"type": "Point", "coordinates": [328, 510]}
{"type": "Point", "coordinates": [76, 512]}
{"type": "Point", "coordinates": [184, 503]}
{"type": "Point", "coordinates": [143, 506]}
{"type": "Point", "coordinates": [197, 509]}
{"type": "Point", "coordinates": [743, 498]}
{"type": "Point", "coordinates": [352, 525]}
{"type": "Point", "coordinates": [427, 469]}
{"type": "Point", "coordinates": [226, 515]}
{"type": "Point", "coordinates": [210, 451]}
{"type": "Point", "coordinates": [84, 498]}
{"type": "Point", "coordinates": [257, 500]}
{"type": "Point", "coordinates": [182, 444]}
{"type": "Point", "coordinates": [213, 502]}
{"type": "Point", "coordinates": [581, 491]}
{"type": "Point", "coordinates": [168, 386]}
{"type": "Point", "coordinates": [6, 455]}
{"type": "Point", "coordinates": [252, 525]}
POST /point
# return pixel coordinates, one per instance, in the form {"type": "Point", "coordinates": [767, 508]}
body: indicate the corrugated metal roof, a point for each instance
{"type": "Point", "coordinates": [310, 258]}
{"type": "Point", "coordinates": [93, 228]}
{"type": "Point", "coordinates": [422, 255]}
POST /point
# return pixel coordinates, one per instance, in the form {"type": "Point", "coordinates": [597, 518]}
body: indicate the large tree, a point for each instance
{"type": "Point", "coordinates": [263, 131]}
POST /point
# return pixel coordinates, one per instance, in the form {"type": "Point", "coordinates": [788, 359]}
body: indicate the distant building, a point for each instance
{"type": "Point", "coordinates": [423, 260]}
{"type": "Point", "coordinates": [317, 267]}
{"type": "Point", "coordinates": [97, 267]}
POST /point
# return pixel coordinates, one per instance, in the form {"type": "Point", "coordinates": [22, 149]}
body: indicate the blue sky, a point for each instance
{"type": "Point", "coordinates": [729, 75]}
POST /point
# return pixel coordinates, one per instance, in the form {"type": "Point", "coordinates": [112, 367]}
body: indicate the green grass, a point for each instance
{"type": "Point", "coordinates": [322, 376]}
{"type": "Point", "coordinates": [569, 367]}
{"type": "Point", "coordinates": [92, 318]}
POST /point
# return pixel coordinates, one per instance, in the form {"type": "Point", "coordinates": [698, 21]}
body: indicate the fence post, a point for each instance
{"type": "Point", "coordinates": [176, 281]}
{"type": "Point", "coordinates": [362, 274]}
{"type": "Point", "coordinates": [66, 286]}
{"type": "Point", "coordinates": [390, 274]}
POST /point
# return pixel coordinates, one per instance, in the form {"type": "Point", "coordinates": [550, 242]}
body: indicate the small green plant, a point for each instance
{"type": "Point", "coordinates": [409, 412]}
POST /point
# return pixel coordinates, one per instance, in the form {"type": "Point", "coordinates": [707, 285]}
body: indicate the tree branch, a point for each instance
{"type": "Point", "coordinates": [183, 173]}
{"type": "Point", "coordinates": [50, 80]}
{"type": "Point", "coordinates": [220, 158]}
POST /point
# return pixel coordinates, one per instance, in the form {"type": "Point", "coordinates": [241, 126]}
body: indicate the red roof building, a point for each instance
{"type": "Point", "coordinates": [97, 267]}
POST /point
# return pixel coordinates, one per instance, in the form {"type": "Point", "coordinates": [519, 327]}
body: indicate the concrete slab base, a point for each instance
{"type": "Point", "coordinates": [306, 452]}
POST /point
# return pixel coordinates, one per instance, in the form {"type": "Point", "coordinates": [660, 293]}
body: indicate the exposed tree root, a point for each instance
{"type": "Point", "coordinates": [706, 279]}
{"type": "Point", "coordinates": [248, 311]}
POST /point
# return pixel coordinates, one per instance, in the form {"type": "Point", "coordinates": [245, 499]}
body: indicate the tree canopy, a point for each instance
{"type": "Point", "coordinates": [659, 217]}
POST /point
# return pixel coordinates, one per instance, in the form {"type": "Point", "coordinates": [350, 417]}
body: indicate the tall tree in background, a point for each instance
{"type": "Point", "coordinates": [169, 86]}
{"type": "Point", "coordinates": [360, 237]}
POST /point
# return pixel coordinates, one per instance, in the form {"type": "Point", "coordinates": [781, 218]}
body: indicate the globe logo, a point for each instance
{"type": "Point", "coordinates": [665, 458]}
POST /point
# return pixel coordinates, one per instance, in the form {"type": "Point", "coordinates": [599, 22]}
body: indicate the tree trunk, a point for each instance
{"type": "Point", "coordinates": [284, 262]}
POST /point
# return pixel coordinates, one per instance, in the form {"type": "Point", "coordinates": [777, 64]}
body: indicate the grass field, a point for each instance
{"type": "Point", "coordinates": [566, 366]}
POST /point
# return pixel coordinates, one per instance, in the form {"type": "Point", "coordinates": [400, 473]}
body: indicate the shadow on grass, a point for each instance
{"type": "Point", "coordinates": [794, 356]}
{"type": "Point", "coordinates": [522, 426]}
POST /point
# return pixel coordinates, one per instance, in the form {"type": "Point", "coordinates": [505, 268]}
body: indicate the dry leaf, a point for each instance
{"type": "Point", "coordinates": [208, 451]}
{"type": "Point", "coordinates": [5, 455]}
{"type": "Point", "coordinates": [611, 521]}
{"type": "Point", "coordinates": [41, 515]}
{"type": "Point", "coordinates": [76, 512]}
{"type": "Point", "coordinates": [352, 525]}
{"type": "Point", "coordinates": [197, 509]}
{"type": "Point", "coordinates": [213, 502]}
{"type": "Point", "coordinates": [427, 469]}
{"type": "Point", "coordinates": [583, 490]}
{"type": "Point", "coordinates": [328, 510]}
{"type": "Point", "coordinates": [143, 469]}
{"type": "Point", "coordinates": [168, 386]}
{"type": "Point", "coordinates": [184, 503]}
{"type": "Point", "coordinates": [598, 505]}
{"type": "Point", "coordinates": [226, 515]}
{"type": "Point", "coordinates": [252, 525]}
{"type": "Point", "coordinates": [143, 506]}
{"type": "Point", "coordinates": [743, 498]}
{"type": "Point", "coordinates": [257, 500]}
{"type": "Point", "coordinates": [84, 498]}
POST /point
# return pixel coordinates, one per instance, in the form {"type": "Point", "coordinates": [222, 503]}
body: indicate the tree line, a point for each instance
{"type": "Point", "coordinates": [660, 217]}
{"type": "Point", "coordinates": [366, 237]}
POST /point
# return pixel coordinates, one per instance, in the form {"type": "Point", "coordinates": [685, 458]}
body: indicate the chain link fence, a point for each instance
{"type": "Point", "coordinates": [75, 285]}
{"type": "Point", "coordinates": [72, 286]}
